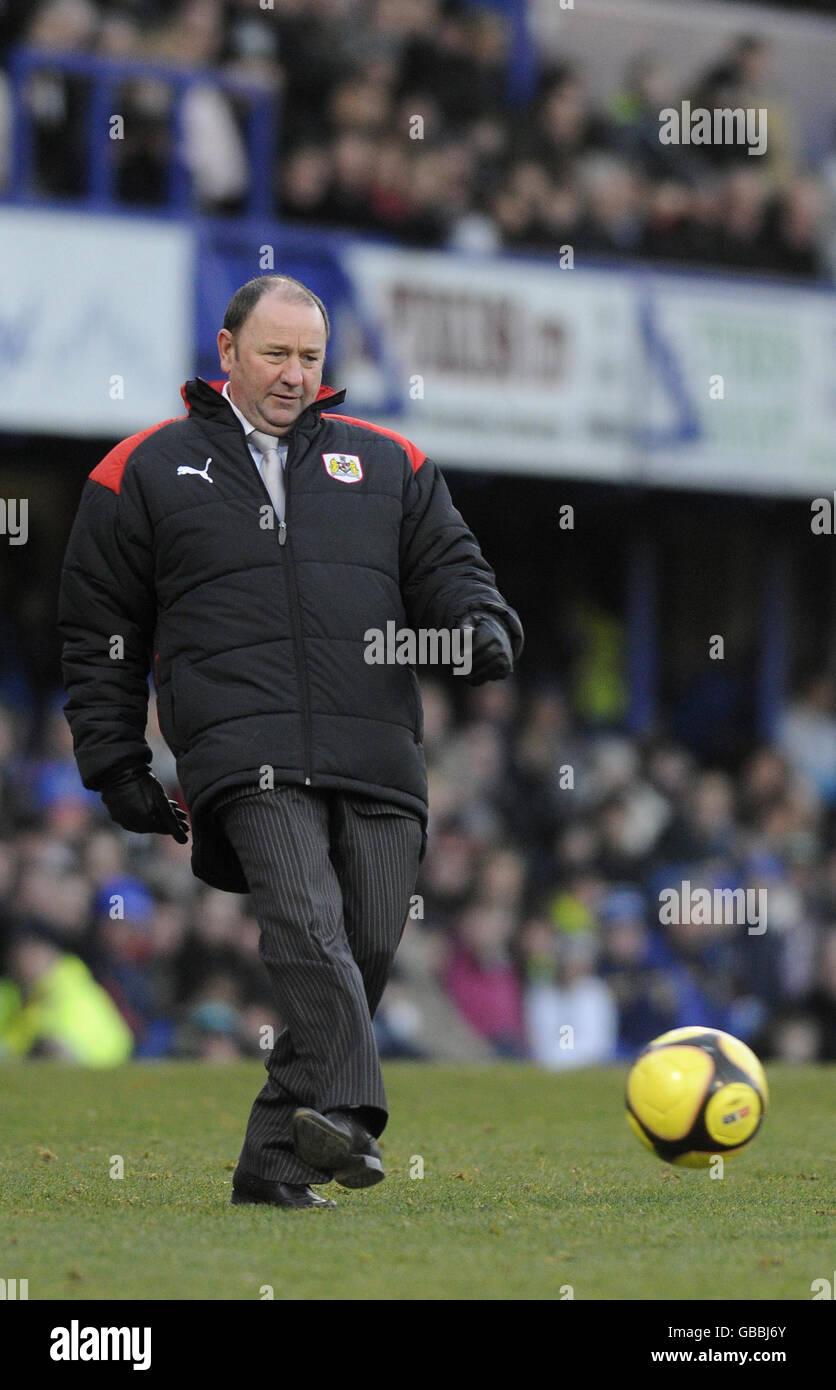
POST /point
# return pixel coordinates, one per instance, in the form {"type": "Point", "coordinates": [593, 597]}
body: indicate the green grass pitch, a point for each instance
{"type": "Point", "coordinates": [531, 1184]}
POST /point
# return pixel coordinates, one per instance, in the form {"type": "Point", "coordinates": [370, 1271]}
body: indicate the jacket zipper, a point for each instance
{"type": "Point", "coordinates": [296, 623]}
{"type": "Point", "coordinates": [293, 604]}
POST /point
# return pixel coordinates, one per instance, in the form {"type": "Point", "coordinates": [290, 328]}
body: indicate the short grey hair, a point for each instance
{"type": "Point", "coordinates": [245, 299]}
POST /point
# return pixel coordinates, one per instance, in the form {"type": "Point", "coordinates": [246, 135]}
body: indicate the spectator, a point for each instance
{"type": "Point", "coordinates": [213, 149]}
{"type": "Point", "coordinates": [808, 734]}
{"type": "Point", "coordinates": [820, 1003]}
{"type": "Point", "coordinates": [799, 234]}
{"type": "Point", "coordinates": [56, 102]}
{"type": "Point", "coordinates": [50, 1006]}
{"type": "Point", "coordinates": [743, 240]}
{"type": "Point", "coordinates": [460, 62]}
{"type": "Point", "coordinates": [743, 78]}
{"type": "Point", "coordinates": [571, 1016]}
{"type": "Point", "coordinates": [564, 126]}
{"type": "Point", "coordinates": [347, 201]}
{"type": "Point", "coordinates": [482, 981]}
{"type": "Point", "coordinates": [125, 962]}
{"type": "Point", "coordinates": [613, 192]}
{"type": "Point", "coordinates": [305, 179]}
{"type": "Point", "coordinates": [653, 993]}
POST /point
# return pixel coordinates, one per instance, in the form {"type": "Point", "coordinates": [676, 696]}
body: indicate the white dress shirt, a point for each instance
{"type": "Point", "coordinates": [248, 430]}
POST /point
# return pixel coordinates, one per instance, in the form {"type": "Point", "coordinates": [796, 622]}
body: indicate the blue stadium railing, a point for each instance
{"type": "Point", "coordinates": [105, 76]}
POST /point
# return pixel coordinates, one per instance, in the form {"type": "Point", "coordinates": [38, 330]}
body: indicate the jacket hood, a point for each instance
{"type": "Point", "coordinates": [203, 400]}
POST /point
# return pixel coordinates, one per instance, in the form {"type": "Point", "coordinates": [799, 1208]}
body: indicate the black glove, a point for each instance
{"type": "Point", "coordinates": [491, 653]}
{"type": "Point", "coordinates": [137, 801]}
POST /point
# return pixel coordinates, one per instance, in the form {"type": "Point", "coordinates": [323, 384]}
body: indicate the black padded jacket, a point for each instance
{"type": "Point", "coordinates": [256, 632]}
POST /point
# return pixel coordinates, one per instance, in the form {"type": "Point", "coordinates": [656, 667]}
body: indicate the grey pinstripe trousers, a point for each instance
{"type": "Point", "coordinates": [330, 877]}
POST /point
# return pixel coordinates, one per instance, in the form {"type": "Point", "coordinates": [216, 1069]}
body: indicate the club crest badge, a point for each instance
{"type": "Point", "coordinates": [346, 468]}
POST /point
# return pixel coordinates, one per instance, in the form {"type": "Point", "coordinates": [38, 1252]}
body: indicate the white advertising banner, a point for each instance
{"type": "Point", "coordinates": [497, 364]}
{"type": "Point", "coordinates": [487, 362]}
{"type": "Point", "coordinates": [97, 322]}
{"type": "Point", "coordinates": [742, 384]}
{"type": "Point", "coordinates": [618, 374]}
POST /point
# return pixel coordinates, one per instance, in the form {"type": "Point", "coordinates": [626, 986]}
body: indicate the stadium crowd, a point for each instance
{"type": "Point", "coordinates": [476, 171]}
{"type": "Point", "coordinates": [535, 931]}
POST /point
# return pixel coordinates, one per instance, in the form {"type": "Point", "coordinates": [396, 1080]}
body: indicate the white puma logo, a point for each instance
{"type": "Point", "coordinates": [201, 472]}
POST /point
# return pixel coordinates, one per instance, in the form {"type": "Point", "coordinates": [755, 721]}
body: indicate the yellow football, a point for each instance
{"type": "Point", "coordinates": [696, 1092]}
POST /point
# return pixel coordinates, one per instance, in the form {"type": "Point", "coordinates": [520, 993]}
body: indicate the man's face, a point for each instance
{"type": "Point", "coordinates": [275, 362]}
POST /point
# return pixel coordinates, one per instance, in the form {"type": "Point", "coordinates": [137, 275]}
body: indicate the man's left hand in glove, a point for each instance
{"type": "Point", "coordinates": [492, 655]}
{"type": "Point", "coordinates": [137, 801]}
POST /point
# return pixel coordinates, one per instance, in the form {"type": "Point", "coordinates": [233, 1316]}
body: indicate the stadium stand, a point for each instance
{"type": "Point", "coordinates": [536, 909]}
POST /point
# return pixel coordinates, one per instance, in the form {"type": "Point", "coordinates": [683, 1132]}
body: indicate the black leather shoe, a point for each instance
{"type": "Point", "coordinates": [337, 1143]}
{"type": "Point", "coordinates": [248, 1190]}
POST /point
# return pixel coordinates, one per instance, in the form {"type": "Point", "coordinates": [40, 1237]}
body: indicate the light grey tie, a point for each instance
{"type": "Point", "coordinates": [271, 467]}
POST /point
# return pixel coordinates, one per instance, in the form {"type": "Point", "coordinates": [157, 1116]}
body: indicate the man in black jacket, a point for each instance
{"type": "Point", "coordinates": [243, 553]}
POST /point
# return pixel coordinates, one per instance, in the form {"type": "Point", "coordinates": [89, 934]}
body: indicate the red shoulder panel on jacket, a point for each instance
{"type": "Point", "coordinates": [109, 471]}
{"type": "Point", "coordinates": [416, 455]}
